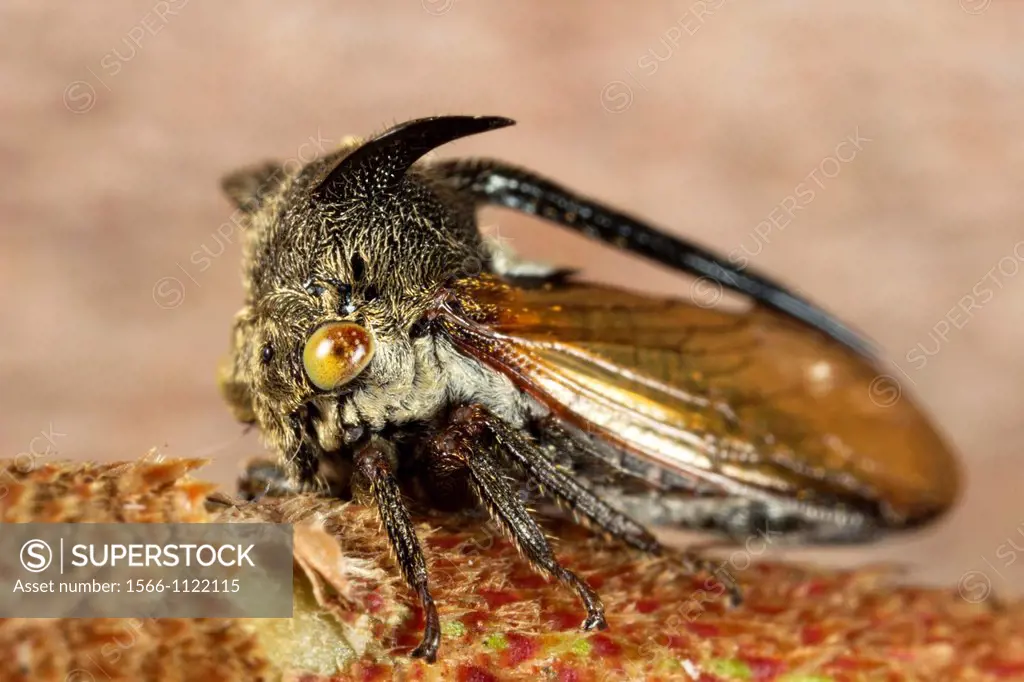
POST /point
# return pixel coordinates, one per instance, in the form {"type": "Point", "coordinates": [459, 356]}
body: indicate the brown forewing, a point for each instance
{"type": "Point", "coordinates": [727, 400]}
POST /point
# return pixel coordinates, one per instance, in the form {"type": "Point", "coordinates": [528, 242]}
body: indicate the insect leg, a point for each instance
{"type": "Point", "coordinates": [504, 185]}
{"type": "Point", "coordinates": [372, 462]}
{"type": "Point", "coordinates": [584, 502]}
{"type": "Point", "coordinates": [463, 439]}
{"type": "Point", "coordinates": [565, 490]}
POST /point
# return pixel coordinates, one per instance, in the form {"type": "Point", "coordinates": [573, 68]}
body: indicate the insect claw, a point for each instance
{"type": "Point", "coordinates": [595, 621]}
{"type": "Point", "coordinates": [426, 650]}
{"type": "Point", "coordinates": [428, 646]}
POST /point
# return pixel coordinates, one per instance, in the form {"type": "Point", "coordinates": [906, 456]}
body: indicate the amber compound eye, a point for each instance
{"type": "Point", "coordinates": [335, 354]}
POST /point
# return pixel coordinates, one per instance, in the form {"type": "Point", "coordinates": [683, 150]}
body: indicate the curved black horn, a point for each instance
{"type": "Point", "coordinates": [380, 163]}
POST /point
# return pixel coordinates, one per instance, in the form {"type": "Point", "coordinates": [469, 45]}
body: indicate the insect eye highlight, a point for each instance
{"type": "Point", "coordinates": [314, 288]}
{"type": "Point", "coordinates": [266, 354]}
{"type": "Point", "coordinates": [343, 290]}
{"type": "Point", "coordinates": [335, 353]}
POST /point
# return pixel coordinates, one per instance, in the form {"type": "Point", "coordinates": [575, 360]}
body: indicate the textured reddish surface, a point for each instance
{"type": "Point", "coordinates": [499, 621]}
{"type": "Point", "coordinates": [797, 623]}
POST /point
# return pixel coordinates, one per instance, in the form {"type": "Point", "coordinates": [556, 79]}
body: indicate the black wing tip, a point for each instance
{"type": "Point", "coordinates": [855, 341]}
{"type": "Point", "coordinates": [824, 322]}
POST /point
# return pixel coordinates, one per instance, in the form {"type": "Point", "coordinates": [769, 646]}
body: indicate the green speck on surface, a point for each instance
{"type": "Point", "coordinates": [581, 647]}
{"type": "Point", "coordinates": [453, 628]}
{"type": "Point", "coordinates": [497, 641]}
{"type": "Point", "coordinates": [730, 669]}
{"type": "Point", "coordinates": [802, 677]}
{"type": "Point", "coordinates": [568, 644]}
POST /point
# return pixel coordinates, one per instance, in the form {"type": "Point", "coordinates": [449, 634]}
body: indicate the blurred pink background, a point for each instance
{"type": "Point", "coordinates": [120, 117]}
